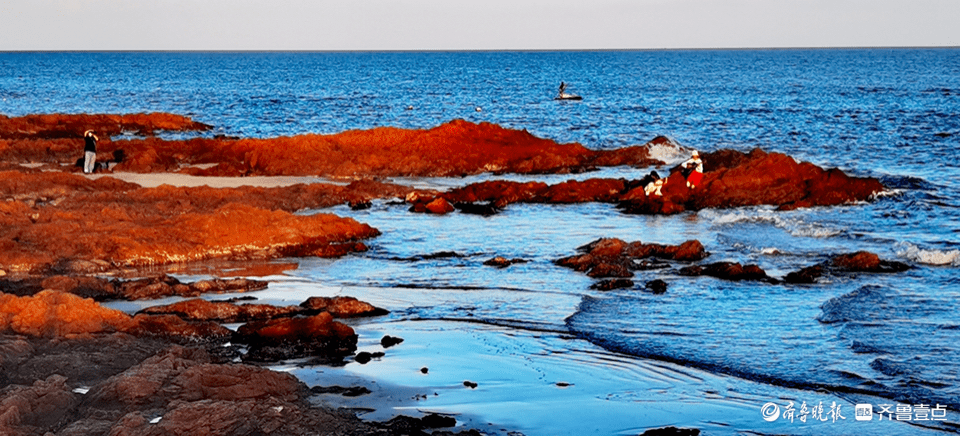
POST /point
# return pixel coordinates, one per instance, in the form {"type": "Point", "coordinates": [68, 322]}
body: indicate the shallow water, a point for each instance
{"type": "Point", "coordinates": [708, 353]}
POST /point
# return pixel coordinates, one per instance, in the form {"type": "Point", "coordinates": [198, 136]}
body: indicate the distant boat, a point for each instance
{"type": "Point", "coordinates": [563, 95]}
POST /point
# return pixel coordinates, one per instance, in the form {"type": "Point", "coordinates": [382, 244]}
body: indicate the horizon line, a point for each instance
{"type": "Point", "coordinates": [866, 47]}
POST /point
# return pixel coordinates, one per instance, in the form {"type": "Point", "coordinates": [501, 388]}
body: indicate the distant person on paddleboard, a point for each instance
{"type": "Point", "coordinates": [693, 170]}
{"type": "Point", "coordinates": [89, 151]}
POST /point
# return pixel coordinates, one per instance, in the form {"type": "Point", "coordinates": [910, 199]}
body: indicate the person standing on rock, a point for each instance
{"type": "Point", "coordinates": [89, 151]}
{"type": "Point", "coordinates": [693, 170]}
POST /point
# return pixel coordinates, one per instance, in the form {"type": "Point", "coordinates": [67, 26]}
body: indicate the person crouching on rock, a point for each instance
{"type": "Point", "coordinates": [693, 170]}
{"type": "Point", "coordinates": [89, 151]}
{"type": "Point", "coordinates": [654, 187]}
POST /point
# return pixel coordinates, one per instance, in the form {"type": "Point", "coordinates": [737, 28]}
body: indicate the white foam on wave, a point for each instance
{"type": "Point", "coordinates": [670, 153]}
{"type": "Point", "coordinates": [912, 252]}
{"type": "Point", "coordinates": [889, 193]}
{"type": "Point", "coordinates": [794, 226]}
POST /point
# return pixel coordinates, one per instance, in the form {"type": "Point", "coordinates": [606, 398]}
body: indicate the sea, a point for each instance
{"type": "Point", "coordinates": [865, 353]}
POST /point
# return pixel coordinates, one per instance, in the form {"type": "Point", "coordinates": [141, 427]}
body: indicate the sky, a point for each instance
{"type": "Point", "coordinates": [473, 24]}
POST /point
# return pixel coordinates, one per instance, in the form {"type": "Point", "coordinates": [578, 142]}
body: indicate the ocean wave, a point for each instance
{"type": "Point", "coordinates": [794, 226]}
{"type": "Point", "coordinates": [670, 153]}
{"type": "Point", "coordinates": [935, 257]}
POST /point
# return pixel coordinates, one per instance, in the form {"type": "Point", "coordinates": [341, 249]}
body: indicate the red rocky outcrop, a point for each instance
{"type": "Point", "coordinates": [613, 257]}
{"type": "Point", "coordinates": [286, 338]}
{"type": "Point", "coordinates": [342, 307]}
{"type": "Point", "coordinates": [728, 271]}
{"type": "Point", "coordinates": [734, 179]}
{"type": "Point", "coordinates": [455, 148]}
{"type": "Point", "coordinates": [861, 261]}
{"type": "Point", "coordinates": [63, 222]}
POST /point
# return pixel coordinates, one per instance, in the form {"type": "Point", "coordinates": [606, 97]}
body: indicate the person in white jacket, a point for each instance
{"type": "Point", "coordinates": [695, 167]}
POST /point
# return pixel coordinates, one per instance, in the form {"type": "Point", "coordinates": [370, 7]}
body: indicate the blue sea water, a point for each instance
{"type": "Point", "coordinates": [893, 114]}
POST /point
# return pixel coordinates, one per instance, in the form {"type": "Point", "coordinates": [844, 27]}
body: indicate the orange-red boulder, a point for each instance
{"type": "Point", "coordinates": [728, 271]}
{"type": "Point", "coordinates": [58, 314]}
{"type": "Point", "coordinates": [861, 261]}
{"type": "Point", "coordinates": [342, 307]}
{"type": "Point", "coordinates": [612, 257]}
{"type": "Point", "coordinates": [734, 179]}
{"type": "Point", "coordinates": [295, 337]}
{"type": "Point", "coordinates": [222, 311]}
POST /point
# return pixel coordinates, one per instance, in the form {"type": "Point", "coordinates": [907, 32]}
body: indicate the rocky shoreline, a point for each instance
{"type": "Point", "coordinates": [68, 242]}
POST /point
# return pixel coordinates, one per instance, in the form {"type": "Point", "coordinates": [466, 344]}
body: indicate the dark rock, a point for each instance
{"type": "Point", "coordinates": [611, 284]}
{"type": "Point", "coordinates": [364, 357]}
{"type": "Point", "coordinates": [434, 420]}
{"type": "Point", "coordinates": [487, 209]}
{"type": "Point", "coordinates": [728, 271]}
{"type": "Point", "coordinates": [424, 370]}
{"type": "Point", "coordinates": [388, 341]}
{"type": "Point", "coordinates": [300, 336]}
{"type": "Point", "coordinates": [470, 384]}
{"type": "Point", "coordinates": [360, 204]}
{"type": "Point", "coordinates": [502, 262]}
{"type": "Point", "coordinates": [352, 391]}
{"type": "Point", "coordinates": [808, 275]}
{"type": "Point", "coordinates": [671, 431]}
{"type": "Point", "coordinates": [861, 261]}
{"type": "Point", "coordinates": [342, 307]}
{"type": "Point", "coordinates": [656, 286]}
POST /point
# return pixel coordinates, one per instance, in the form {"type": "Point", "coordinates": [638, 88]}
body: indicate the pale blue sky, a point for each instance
{"type": "Point", "coordinates": [471, 24]}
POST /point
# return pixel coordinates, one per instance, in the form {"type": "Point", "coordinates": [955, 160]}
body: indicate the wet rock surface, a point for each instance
{"type": "Point", "coordinates": [729, 271]}
{"type": "Point", "coordinates": [611, 257]}
{"type": "Point", "coordinates": [859, 262]}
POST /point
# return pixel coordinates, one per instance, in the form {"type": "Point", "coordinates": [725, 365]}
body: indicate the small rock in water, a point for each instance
{"type": "Point", "coordinates": [657, 286]}
{"type": "Point", "coordinates": [363, 357]}
{"type": "Point", "coordinates": [424, 370]}
{"type": "Point", "coordinates": [470, 384]}
{"type": "Point", "coordinates": [389, 341]}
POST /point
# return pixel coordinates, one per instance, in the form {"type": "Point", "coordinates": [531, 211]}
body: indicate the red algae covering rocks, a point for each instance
{"type": "Point", "coordinates": [734, 179]}
{"type": "Point", "coordinates": [57, 314]}
{"type": "Point", "coordinates": [452, 149]}
{"type": "Point", "coordinates": [62, 222]}
{"type": "Point", "coordinates": [54, 314]}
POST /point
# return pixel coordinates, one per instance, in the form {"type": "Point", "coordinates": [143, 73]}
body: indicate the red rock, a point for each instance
{"type": "Point", "coordinates": [439, 206]}
{"type": "Point", "coordinates": [25, 410]}
{"type": "Point", "coordinates": [182, 374]}
{"type": "Point", "coordinates": [611, 257]}
{"type": "Point", "coordinates": [297, 337]}
{"type": "Point", "coordinates": [342, 307]}
{"type": "Point", "coordinates": [202, 310]}
{"type": "Point", "coordinates": [178, 329]}
{"type": "Point", "coordinates": [80, 225]}
{"type": "Point", "coordinates": [58, 314]}
{"type": "Point", "coordinates": [859, 261]}
{"type": "Point", "coordinates": [728, 271]}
